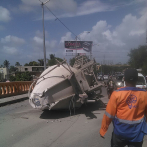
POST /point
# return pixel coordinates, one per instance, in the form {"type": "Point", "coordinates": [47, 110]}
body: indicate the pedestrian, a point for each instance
{"type": "Point", "coordinates": [110, 86]}
{"type": "Point", "coordinates": [127, 108]}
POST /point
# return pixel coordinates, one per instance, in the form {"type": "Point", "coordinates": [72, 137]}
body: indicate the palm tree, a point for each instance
{"type": "Point", "coordinates": [6, 63]}
{"type": "Point", "coordinates": [17, 64]}
{"type": "Point", "coordinates": [41, 62]}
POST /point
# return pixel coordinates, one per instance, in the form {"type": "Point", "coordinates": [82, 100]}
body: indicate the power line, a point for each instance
{"type": "Point", "coordinates": [62, 23]}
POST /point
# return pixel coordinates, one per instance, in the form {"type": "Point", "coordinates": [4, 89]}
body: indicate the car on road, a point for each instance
{"type": "Point", "coordinates": [100, 78]}
{"type": "Point", "coordinates": [106, 77]}
{"type": "Point", "coordinates": [141, 82]}
{"type": "Point", "coordinates": [119, 82]}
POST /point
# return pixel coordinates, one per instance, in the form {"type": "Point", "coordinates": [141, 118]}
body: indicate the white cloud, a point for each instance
{"type": "Point", "coordinates": [10, 50]}
{"type": "Point", "coordinates": [37, 41]}
{"type": "Point", "coordinates": [59, 5]}
{"type": "Point", "coordinates": [72, 8]}
{"type": "Point", "coordinates": [93, 6]}
{"type": "Point", "coordinates": [11, 45]}
{"type": "Point", "coordinates": [115, 44]}
{"type": "Point", "coordinates": [66, 37]}
{"type": "Point", "coordinates": [12, 40]}
{"type": "Point", "coordinates": [4, 14]}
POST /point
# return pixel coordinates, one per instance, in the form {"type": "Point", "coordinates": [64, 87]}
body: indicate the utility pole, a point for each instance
{"type": "Point", "coordinates": [76, 46]}
{"type": "Point", "coordinates": [44, 49]}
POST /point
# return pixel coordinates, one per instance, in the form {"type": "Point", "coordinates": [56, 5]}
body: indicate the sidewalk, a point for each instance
{"type": "Point", "coordinates": [13, 99]}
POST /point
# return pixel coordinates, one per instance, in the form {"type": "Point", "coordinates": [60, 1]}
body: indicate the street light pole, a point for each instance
{"type": "Point", "coordinates": [44, 49]}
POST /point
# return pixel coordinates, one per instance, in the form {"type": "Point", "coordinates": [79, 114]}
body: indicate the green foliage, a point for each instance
{"type": "Point", "coordinates": [50, 62]}
{"type": "Point", "coordinates": [26, 64]}
{"type": "Point", "coordinates": [53, 61]}
{"type": "Point", "coordinates": [17, 64]}
{"type": "Point", "coordinates": [144, 67]}
{"type": "Point", "coordinates": [41, 62]}
{"type": "Point", "coordinates": [6, 63]}
{"type": "Point", "coordinates": [72, 61]}
{"type": "Point", "coordinates": [32, 63]}
{"type": "Point", "coordinates": [106, 69]}
{"type": "Point", "coordinates": [12, 78]}
{"type": "Point", "coordinates": [12, 69]}
{"type": "Point", "coordinates": [138, 57]}
{"type": "Point", "coordinates": [26, 76]}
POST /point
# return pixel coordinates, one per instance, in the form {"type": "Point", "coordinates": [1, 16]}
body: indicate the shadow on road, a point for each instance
{"type": "Point", "coordinates": [86, 109]}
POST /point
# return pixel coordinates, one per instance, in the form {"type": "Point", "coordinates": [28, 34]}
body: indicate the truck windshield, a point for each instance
{"type": "Point", "coordinates": [141, 81]}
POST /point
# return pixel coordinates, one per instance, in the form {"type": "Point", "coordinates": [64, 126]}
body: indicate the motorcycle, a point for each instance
{"type": "Point", "coordinates": [109, 91]}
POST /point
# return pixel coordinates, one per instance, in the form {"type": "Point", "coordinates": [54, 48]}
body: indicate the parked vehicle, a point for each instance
{"type": "Point", "coordinates": [106, 77]}
{"type": "Point", "coordinates": [141, 83]}
{"type": "Point", "coordinates": [100, 78]}
{"type": "Point", "coordinates": [119, 82]}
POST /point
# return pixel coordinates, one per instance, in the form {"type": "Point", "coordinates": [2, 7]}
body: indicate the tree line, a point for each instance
{"type": "Point", "coordinates": [27, 76]}
{"type": "Point", "coordinates": [137, 59]}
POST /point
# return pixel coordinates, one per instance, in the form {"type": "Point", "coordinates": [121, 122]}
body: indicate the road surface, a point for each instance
{"type": "Point", "coordinates": [23, 126]}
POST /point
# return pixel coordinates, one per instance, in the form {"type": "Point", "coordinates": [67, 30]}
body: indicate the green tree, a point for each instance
{"type": "Point", "coordinates": [26, 76]}
{"type": "Point", "coordinates": [41, 62]}
{"type": "Point", "coordinates": [17, 64]}
{"type": "Point", "coordinates": [72, 61]}
{"type": "Point", "coordinates": [53, 61]}
{"type": "Point", "coordinates": [6, 63]}
{"type": "Point", "coordinates": [144, 67]}
{"type": "Point", "coordinates": [12, 78]}
{"type": "Point", "coordinates": [33, 63]}
{"type": "Point", "coordinates": [26, 64]}
{"type": "Point", "coordinates": [12, 69]}
{"type": "Point", "coordinates": [138, 56]}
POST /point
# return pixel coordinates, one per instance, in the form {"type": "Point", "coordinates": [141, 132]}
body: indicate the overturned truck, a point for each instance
{"type": "Point", "coordinates": [64, 87]}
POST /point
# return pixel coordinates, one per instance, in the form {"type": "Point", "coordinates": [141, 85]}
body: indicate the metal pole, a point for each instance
{"type": "Point", "coordinates": [44, 49]}
{"type": "Point", "coordinates": [76, 45]}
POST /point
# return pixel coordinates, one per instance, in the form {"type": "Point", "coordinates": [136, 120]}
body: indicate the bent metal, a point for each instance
{"type": "Point", "coordinates": [64, 87]}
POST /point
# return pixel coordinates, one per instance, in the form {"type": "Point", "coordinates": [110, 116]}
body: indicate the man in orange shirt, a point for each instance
{"type": "Point", "coordinates": [127, 108]}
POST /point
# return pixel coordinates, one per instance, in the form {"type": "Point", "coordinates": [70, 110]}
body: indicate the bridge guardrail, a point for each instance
{"type": "Point", "coordinates": [14, 88]}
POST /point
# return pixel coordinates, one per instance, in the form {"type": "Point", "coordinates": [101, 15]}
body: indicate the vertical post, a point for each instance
{"type": "Point", "coordinates": [91, 55]}
{"type": "Point", "coordinates": [44, 49]}
{"type": "Point", "coordinates": [76, 46]}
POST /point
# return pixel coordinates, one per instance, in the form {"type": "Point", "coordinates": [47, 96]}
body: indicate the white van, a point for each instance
{"type": "Point", "coordinates": [141, 83]}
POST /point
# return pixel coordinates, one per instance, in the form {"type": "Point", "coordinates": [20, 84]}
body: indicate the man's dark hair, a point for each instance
{"type": "Point", "coordinates": [131, 75]}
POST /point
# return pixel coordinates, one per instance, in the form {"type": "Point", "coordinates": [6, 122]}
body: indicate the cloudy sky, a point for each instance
{"type": "Point", "coordinates": [115, 26]}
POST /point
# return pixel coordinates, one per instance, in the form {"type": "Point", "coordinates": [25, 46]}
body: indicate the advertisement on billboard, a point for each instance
{"type": "Point", "coordinates": [79, 47]}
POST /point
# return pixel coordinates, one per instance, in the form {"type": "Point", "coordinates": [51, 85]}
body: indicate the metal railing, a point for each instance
{"type": "Point", "coordinates": [14, 88]}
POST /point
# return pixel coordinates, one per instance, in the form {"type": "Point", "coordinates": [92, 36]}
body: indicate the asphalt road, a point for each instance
{"type": "Point", "coordinates": [23, 126]}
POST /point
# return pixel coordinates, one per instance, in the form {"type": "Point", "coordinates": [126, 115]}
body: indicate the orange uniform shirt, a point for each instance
{"type": "Point", "coordinates": [127, 108]}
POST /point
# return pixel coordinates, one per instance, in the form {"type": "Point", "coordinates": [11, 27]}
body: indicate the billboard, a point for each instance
{"type": "Point", "coordinates": [81, 47]}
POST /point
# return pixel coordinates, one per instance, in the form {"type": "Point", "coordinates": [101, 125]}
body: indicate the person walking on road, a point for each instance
{"type": "Point", "coordinates": [127, 108]}
{"type": "Point", "coordinates": [110, 86]}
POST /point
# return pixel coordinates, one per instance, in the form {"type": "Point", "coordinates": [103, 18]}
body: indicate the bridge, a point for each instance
{"type": "Point", "coordinates": [14, 88]}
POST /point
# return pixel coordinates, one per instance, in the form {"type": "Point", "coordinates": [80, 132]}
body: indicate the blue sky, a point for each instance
{"type": "Point", "coordinates": [115, 26]}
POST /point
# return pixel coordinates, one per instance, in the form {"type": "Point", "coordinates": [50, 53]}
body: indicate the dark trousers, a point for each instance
{"type": "Point", "coordinates": [118, 142]}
